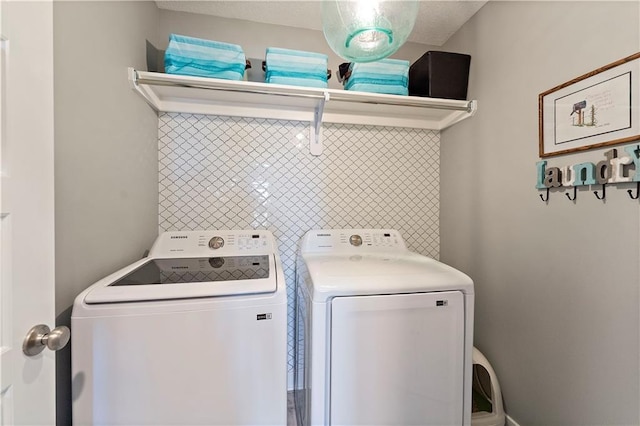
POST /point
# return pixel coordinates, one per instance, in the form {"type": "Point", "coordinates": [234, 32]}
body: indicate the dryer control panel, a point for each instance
{"type": "Point", "coordinates": [213, 243]}
{"type": "Point", "coordinates": [353, 240]}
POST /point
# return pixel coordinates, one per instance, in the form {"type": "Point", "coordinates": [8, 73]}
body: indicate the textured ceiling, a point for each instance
{"type": "Point", "coordinates": [437, 20]}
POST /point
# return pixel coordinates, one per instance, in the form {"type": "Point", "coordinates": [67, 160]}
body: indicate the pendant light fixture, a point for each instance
{"type": "Point", "coordinates": [367, 30]}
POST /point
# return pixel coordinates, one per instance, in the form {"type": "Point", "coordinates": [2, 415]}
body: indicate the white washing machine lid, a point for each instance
{"type": "Point", "coordinates": [380, 273]}
{"type": "Point", "coordinates": [185, 278]}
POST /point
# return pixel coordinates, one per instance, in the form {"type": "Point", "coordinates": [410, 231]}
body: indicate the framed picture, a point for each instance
{"type": "Point", "coordinates": [594, 110]}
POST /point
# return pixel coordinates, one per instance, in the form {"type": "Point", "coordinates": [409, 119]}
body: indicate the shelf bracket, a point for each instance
{"type": "Point", "coordinates": [315, 137]}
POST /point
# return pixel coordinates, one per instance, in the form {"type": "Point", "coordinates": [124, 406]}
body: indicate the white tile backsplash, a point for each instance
{"type": "Point", "coordinates": [238, 173]}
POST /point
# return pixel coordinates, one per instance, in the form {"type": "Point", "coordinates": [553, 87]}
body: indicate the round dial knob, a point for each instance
{"type": "Point", "coordinates": [355, 240]}
{"type": "Point", "coordinates": [216, 243]}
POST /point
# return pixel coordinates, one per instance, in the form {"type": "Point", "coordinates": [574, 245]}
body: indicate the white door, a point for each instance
{"type": "Point", "coordinates": [27, 391]}
{"type": "Point", "coordinates": [397, 359]}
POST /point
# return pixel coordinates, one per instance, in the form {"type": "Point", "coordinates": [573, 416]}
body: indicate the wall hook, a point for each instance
{"type": "Point", "coordinates": [575, 194]}
{"type": "Point", "coordinates": [604, 192]}
{"type": "Point", "coordinates": [630, 192]}
{"type": "Point", "coordinates": [543, 198]}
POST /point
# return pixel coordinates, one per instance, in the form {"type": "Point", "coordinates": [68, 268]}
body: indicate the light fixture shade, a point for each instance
{"type": "Point", "coordinates": [367, 30]}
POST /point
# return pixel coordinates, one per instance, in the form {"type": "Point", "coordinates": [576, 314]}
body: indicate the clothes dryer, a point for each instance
{"type": "Point", "coordinates": [194, 334]}
{"type": "Point", "coordinates": [384, 336]}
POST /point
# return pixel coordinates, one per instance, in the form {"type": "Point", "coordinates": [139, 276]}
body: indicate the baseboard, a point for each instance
{"type": "Point", "coordinates": [510, 422]}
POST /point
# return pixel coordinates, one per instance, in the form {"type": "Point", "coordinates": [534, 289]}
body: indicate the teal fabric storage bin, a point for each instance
{"type": "Point", "coordinates": [387, 76]}
{"type": "Point", "coordinates": [296, 67]}
{"type": "Point", "coordinates": [204, 58]}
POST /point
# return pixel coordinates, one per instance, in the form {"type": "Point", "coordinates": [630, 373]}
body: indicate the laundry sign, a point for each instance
{"type": "Point", "coordinates": [614, 168]}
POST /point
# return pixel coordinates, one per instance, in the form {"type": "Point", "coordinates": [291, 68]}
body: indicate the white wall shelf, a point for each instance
{"type": "Point", "coordinates": [197, 95]}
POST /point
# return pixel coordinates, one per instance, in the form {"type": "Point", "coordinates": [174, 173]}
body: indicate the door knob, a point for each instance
{"type": "Point", "coordinates": [40, 336]}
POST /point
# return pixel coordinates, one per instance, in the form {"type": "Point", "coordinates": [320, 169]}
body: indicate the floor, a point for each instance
{"type": "Point", "coordinates": [291, 411]}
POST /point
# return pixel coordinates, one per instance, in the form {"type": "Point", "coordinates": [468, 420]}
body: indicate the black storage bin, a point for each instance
{"type": "Point", "coordinates": [440, 75]}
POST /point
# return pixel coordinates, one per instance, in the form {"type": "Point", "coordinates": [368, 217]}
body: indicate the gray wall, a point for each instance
{"type": "Point", "coordinates": [256, 37]}
{"type": "Point", "coordinates": [557, 284]}
{"type": "Point", "coordinates": [106, 155]}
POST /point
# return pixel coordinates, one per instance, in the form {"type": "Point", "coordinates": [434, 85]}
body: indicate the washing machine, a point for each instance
{"type": "Point", "coordinates": [384, 336]}
{"type": "Point", "coordinates": [193, 334]}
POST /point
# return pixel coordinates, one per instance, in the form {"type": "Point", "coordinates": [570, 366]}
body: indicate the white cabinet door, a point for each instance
{"type": "Point", "coordinates": [397, 359]}
{"type": "Point", "coordinates": [27, 391]}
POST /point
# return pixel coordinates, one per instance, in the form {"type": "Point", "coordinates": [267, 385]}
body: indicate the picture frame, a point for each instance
{"type": "Point", "coordinates": [597, 109]}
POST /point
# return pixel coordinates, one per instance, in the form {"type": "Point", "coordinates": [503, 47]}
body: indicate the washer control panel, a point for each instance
{"type": "Point", "coordinates": [213, 243]}
{"type": "Point", "coordinates": [354, 240]}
